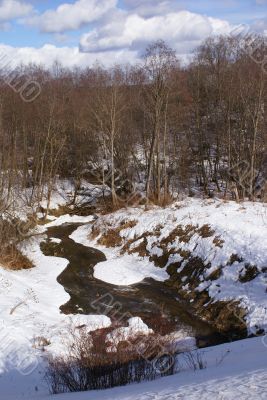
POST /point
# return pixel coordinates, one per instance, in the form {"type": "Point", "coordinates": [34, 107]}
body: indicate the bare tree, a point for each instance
{"type": "Point", "coordinates": [159, 61]}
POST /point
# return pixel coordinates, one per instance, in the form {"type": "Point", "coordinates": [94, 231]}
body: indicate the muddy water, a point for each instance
{"type": "Point", "coordinates": [148, 299]}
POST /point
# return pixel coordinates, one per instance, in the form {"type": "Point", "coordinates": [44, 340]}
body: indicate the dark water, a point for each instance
{"type": "Point", "coordinates": [155, 302]}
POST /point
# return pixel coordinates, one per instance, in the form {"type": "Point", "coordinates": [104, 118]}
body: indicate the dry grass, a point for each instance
{"type": "Point", "coordinates": [95, 232]}
{"type": "Point", "coordinates": [235, 258]}
{"type": "Point", "coordinates": [248, 273]}
{"type": "Point", "coordinates": [141, 248]}
{"type": "Point", "coordinates": [218, 242]}
{"type": "Point", "coordinates": [12, 232]}
{"type": "Point", "coordinates": [163, 202]}
{"type": "Point", "coordinates": [112, 237]}
{"type": "Point", "coordinates": [44, 221]}
{"type": "Point", "coordinates": [183, 233]}
{"type": "Point", "coordinates": [107, 207]}
{"type": "Point", "coordinates": [12, 259]}
{"type": "Point", "coordinates": [205, 231]}
{"type": "Point", "coordinates": [180, 234]}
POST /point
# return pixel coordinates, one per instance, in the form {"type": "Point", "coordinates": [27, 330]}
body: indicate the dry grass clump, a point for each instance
{"type": "Point", "coordinates": [205, 231]}
{"type": "Point", "coordinates": [111, 237]}
{"type": "Point", "coordinates": [140, 248]}
{"type": "Point", "coordinates": [11, 233]}
{"type": "Point", "coordinates": [218, 242]}
{"type": "Point", "coordinates": [12, 258]}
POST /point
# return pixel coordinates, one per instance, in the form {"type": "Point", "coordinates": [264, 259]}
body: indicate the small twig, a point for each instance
{"type": "Point", "coordinates": [17, 306]}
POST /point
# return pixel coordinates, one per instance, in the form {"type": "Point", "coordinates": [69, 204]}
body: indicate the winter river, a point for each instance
{"type": "Point", "coordinates": [151, 300]}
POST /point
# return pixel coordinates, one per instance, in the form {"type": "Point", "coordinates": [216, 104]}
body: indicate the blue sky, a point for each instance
{"type": "Point", "coordinates": [120, 29]}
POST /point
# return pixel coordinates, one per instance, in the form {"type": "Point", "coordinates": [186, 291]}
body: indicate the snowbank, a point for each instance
{"type": "Point", "coordinates": [127, 271]}
{"type": "Point", "coordinates": [30, 301]}
{"type": "Point", "coordinates": [68, 219]}
{"type": "Point", "coordinates": [233, 370]}
{"type": "Point", "coordinates": [229, 239]}
{"type": "Point", "coordinates": [136, 327]}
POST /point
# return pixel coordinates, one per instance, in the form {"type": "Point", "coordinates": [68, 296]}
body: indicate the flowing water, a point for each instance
{"type": "Point", "coordinates": [151, 300]}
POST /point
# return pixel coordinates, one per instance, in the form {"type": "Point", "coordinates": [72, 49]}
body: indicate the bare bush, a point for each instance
{"type": "Point", "coordinates": [12, 231]}
{"type": "Point", "coordinates": [90, 363]}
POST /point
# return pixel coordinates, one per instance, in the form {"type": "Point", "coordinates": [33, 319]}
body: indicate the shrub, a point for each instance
{"type": "Point", "coordinates": [90, 364]}
{"type": "Point", "coordinates": [11, 233]}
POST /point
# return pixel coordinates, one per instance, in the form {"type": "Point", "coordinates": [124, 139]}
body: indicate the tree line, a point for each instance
{"type": "Point", "coordinates": [159, 126]}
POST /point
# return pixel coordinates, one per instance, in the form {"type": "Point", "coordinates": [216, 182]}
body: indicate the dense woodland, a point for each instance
{"type": "Point", "coordinates": [159, 126]}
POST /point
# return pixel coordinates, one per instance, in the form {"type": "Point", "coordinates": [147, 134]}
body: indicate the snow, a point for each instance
{"type": "Point", "coordinates": [135, 327]}
{"type": "Point", "coordinates": [80, 235]}
{"type": "Point", "coordinates": [64, 190]}
{"type": "Point", "coordinates": [119, 270]}
{"type": "Point", "coordinates": [127, 270]}
{"type": "Point", "coordinates": [242, 229]}
{"type": "Point", "coordinates": [180, 341]}
{"type": "Point", "coordinates": [55, 240]}
{"type": "Point", "coordinates": [30, 301]}
{"type": "Point", "coordinates": [236, 370]}
{"type": "Point", "coordinates": [233, 370]}
{"type": "Point", "coordinates": [69, 219]}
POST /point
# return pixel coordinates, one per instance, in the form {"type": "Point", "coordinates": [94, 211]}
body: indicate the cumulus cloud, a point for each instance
{"type": "Point", "coordinates": [119, 31]}
{"type": "Point", "coordinates": [69, 56]}
{"type": "Point", "coordinates": [182, 30]}
{"type": "Point", "coordinates": [68, 16]}
{"type": "Point", "coordinates": [11, 9]}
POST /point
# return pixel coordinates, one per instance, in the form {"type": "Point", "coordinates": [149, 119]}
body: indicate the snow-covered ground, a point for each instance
{"type": "Point", "coordinates": [31, 324]}
{"type": "Point", "coordinates": [229, 238]}
{"type": "Point", "coordinates": [29, 306]}
{"type": "Point", "coordinates": [126, 271]}
{"type": "Point", "coordinates": [233, 371]}
{"type": "Point", "coordinates": [30, 299]}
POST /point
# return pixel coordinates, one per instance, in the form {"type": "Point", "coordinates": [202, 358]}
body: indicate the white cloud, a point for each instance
{"type": "Point", "coordinates": [118, 35]}
{"type": "Point", "coordinates": [11, 9]}
{"type": "Point", "coordinates": [182, 30]}
{"type": "Point", "coordinates": [68, 56]}
{"type": "Point", "coordinates": [71, 16]}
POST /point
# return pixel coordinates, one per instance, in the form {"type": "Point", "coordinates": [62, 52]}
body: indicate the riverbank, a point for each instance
{"type": "Point", "coordinates": [214, 253]}
{"type": "Point", "coordinates": [151, 299]}
{"type": "Point", "coordinates": [32, 323]}
{"type": "Point", "coordinates": [30, 306]}
{"type": "Point", "coordinates": [226, 238]}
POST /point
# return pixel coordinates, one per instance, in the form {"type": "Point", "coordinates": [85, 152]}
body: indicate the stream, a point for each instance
{"type": "Point", "coordinates": [151, 300]}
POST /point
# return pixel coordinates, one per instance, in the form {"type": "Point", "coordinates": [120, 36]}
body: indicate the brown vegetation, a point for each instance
{"type": "Point", "coordinates": [89, 364]}
{"type": "Point", "coordinates": [201, 127]}
{"type": "Point", "coordinates": [11, 258]}
{"type": "Point", "coordinates": [12, 232]}
{"type": "Point", "coordinates": [112, 237]}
